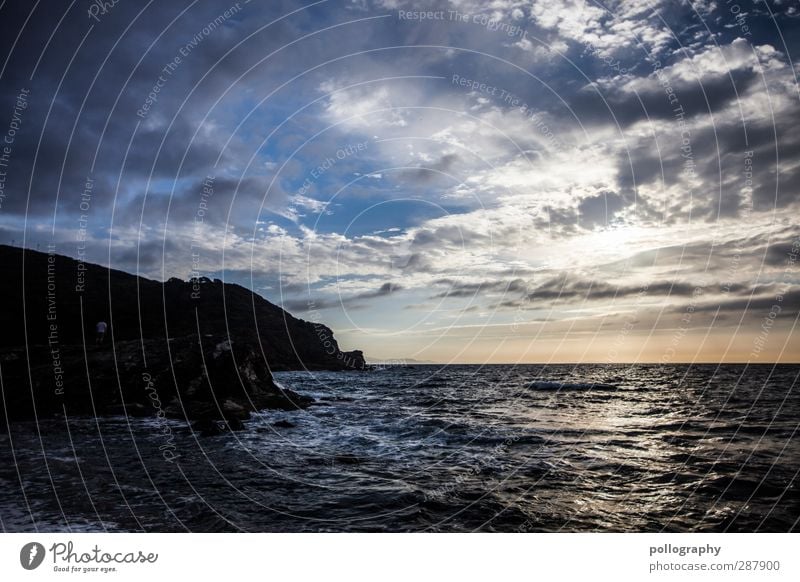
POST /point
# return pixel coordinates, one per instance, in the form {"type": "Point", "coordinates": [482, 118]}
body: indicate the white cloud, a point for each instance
{"type": "Point", "coordinates": [628, 24]}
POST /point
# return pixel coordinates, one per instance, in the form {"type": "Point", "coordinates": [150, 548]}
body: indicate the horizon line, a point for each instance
{"type": "Point", "coordinates": [399, 362]}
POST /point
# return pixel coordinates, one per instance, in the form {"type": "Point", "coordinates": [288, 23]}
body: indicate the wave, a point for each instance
{"type": "Point", "coordinates": [550, 385]}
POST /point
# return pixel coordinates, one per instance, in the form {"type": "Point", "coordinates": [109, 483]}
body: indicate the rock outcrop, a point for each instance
{"type": "Point", "coordinates": [49, 296]}
{"type": "Point", "coordinates": [207, 380]}
{"type": "Point", "coordinates": [200, 350]}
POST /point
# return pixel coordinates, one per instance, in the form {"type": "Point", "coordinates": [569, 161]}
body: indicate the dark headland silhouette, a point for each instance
{"type": "Point", "coordinates": [201, 350]}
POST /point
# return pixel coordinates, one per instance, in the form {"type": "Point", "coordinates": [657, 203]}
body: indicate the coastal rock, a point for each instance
{"type": "Point", "coordinates": [234, 411]}
{"type": "Point", "coordinates": [183, 378]}
{"type": "Point", "coordinates": [78, 295]}
{"type": "Point", "coordinates": [133, 409]}
{"type": "Point", "coordinates": [354, 360]}
{"type": "Point", "coordinates": [194, 350]}
{"type": "Point", "coordinates": [209, 428]}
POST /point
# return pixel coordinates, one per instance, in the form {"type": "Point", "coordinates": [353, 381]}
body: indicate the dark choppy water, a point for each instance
{"type": "Point", "coordinates": [461, 448]}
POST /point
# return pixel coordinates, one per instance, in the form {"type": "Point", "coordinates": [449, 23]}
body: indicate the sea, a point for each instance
{"type": "Point", "coordinates": [430, 448]}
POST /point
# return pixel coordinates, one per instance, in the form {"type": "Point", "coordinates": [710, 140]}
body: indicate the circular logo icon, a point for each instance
{"type": "Point", "coordinates": [31, 555]}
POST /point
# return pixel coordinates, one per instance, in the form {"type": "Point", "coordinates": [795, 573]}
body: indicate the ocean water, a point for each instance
{"type": "Point", "coordinates": [429, 448]}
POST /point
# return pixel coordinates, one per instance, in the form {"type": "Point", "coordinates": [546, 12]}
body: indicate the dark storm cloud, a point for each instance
{"type": "Point", "coordinates": [729, 262]}
{"type": "Point", "coordinates": [750, 160]}
{"type": "Point", "coordinates": [82, 109]}
{"type": "Point", "coordinates": [82, 116]}
{"type": "Point", "coordinates": [154, 172]}
{"type": "Point", "coordinates": [197, 154]}
{"type": "Point", "coordinates": [385, 289]}
{"type": "Point", "coordinates": [600, 209]}
{"type": "Point", "coordinates": [571, 289]}
{"type": "Point", "coordinates": [778, 254]}
{"type": "Point", "coordinates": [755, 306]}
{"type": "Point", "coordinates": [464, 289]}
{"type": "Point", "coordinates": [559, 221]}
{"type": "Point", "coordinates": [146, 256]}
{"type": "Point", "coordinates": [416, 263]}
{"type": "Point", "coordinates": [447, 236]}
{"type": "Point", "coordinates": [641, 166]}
{"type": "Point", "coordinates": [737, 164]}
{"type": "Point", "coordinates": [215, 201]}
{"type": "Point", "coordinates": [352, 302]}
{"type": "Point", "coordinates": [707, 95]}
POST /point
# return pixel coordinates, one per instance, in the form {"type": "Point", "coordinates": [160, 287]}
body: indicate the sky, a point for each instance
{"type": "Point", "coordinates": [468, 181]}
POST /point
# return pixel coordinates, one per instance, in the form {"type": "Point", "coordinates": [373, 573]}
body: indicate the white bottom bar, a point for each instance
{"type": "Point", "coordinates": [404, 557]}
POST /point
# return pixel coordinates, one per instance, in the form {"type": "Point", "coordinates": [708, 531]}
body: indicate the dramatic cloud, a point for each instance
{"type": "Point", "coordinates": [493, 175]}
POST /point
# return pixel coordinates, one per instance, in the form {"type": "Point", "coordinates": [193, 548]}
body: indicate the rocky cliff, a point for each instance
{"type": "Point", "coordinates": [197, 349]}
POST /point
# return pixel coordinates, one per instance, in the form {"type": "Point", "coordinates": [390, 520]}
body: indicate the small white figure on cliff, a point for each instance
{"type": "Point", "coordinates": [100, 328]}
